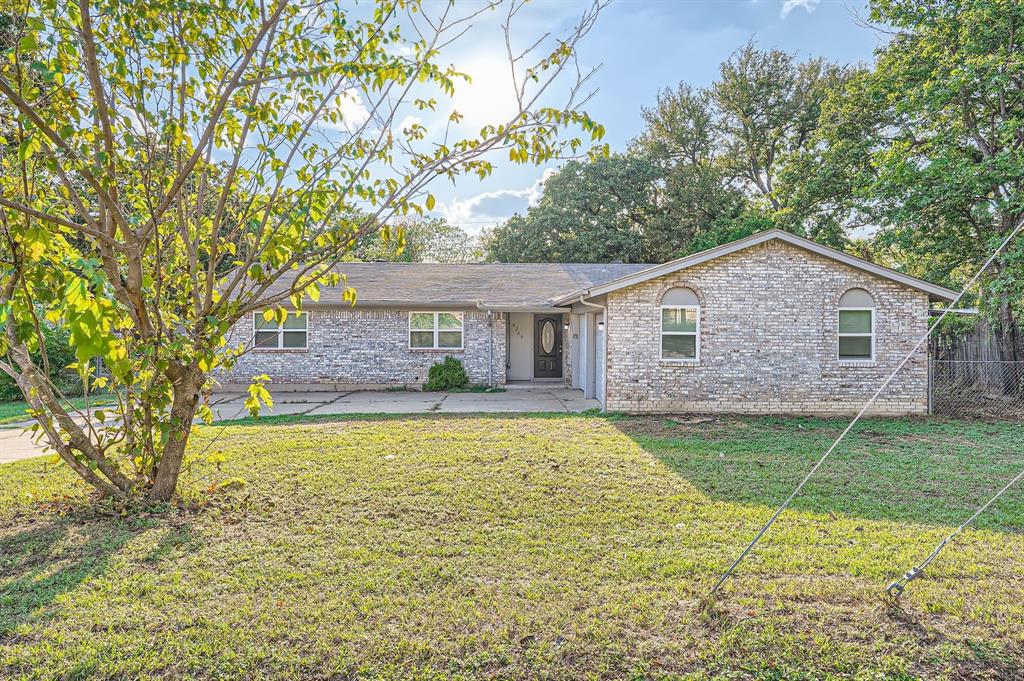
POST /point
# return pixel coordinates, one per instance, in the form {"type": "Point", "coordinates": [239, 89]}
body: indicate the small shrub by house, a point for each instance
{"type": "Point", "coordinates": [448, 374]}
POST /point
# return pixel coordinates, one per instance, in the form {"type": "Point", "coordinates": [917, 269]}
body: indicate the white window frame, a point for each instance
{"type": "Point", "coordinates": [870, 335]}
{"type": "Point", "coordinates": [256, 316]}
{"type": "Point", "coordinates": [437, 330]}
{"type": "Point", "coordinates": [695, 333]}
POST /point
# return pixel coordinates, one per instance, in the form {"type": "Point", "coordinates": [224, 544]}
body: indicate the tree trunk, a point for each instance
{"type": "Point", "coordinates": [1009, 347]}
{"type": "Point", "coordinates": [30, 385]}
{"type": "Point", "coordinates": [54, 419]}
{"type": "Point", "coordinates": [187, 381]}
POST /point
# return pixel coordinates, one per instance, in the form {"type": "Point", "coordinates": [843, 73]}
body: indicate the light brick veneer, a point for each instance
{"type": "Point", "coordinates": [768, 340]}
{"type": "Point", "coordinates": [367, 347]}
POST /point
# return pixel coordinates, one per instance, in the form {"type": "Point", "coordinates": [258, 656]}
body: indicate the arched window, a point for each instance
{"type": "Point", "coordinates": [680, 325]}
{"type": "Point", "coordinates": [857, 326]}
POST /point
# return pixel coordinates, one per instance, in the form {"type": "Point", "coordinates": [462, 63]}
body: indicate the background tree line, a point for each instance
{"type": "Point", "coordinates": [915, 161]}
{"type": "Point", "coordinates": [708, 167]}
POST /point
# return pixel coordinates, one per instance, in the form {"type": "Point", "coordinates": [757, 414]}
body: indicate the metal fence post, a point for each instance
{"type": "Point", "coordinates": [931, 387]}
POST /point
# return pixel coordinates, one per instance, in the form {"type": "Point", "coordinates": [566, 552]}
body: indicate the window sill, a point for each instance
{"type": "Point", "coordinates": [437, 349]}
{"type": "Point", "coordinates": [679, 362]}
{"type": "Point", "coordinates": [854, 363]}
{"type": "Point", "coordinates": [282, 350]}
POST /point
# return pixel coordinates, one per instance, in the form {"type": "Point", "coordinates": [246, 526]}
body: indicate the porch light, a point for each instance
{"type": "Point", "coordinates": [600, 326]}
{"type": "Point", "coordinates": [566, 326]}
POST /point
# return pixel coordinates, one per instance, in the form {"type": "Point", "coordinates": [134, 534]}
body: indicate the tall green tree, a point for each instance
{"type": "Point", "coordinates": [767, 108]}
{"type": "Point", "coordinates": [697, 195]}
{"type": "Point", "coordinates": [172, 162]}
{"type": "Point", "coordinates": [589, 212]}
{"type": "Point", "coordinates": [705, 170]}
{"type": "Point", "coordinates": [928, 146]}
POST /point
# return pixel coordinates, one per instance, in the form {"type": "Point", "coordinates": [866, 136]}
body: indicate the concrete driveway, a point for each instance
{"type": "Point", "coordinates": [533, 398]}
{"type": "Point", "coordinates": [15, 443]}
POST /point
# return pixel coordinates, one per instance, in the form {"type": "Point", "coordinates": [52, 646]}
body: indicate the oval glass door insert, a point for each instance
{"type": "Point", "coordinates": [547, 336]}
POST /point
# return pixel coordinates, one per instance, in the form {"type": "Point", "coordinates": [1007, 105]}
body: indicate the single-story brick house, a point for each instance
{"type": "Point", "coordinates": [773, 323]}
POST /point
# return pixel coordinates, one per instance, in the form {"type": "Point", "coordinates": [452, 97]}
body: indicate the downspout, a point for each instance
{"type": "Point", "coordinates": [490, 343]}
{"type": "Point", "coordinates": [604, 385]}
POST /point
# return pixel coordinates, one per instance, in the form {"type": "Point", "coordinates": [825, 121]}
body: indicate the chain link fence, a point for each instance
{"type": "Point", "coordinates": [984, 389]}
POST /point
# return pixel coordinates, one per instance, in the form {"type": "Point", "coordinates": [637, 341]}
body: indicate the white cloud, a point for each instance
{"type": "Point", "coordinates": [409, 121]}
{"type": "Point", "coordinates": [353, 112]}
{"type": "Point", "coordinates": [790, 5]}
{"type": "Point", "coordinates": [490, 208]}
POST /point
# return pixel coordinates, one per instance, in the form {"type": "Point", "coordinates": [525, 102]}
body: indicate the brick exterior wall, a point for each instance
{"type": "Point", "coordinates": [360, 347]}
{"type": "Point", "coordinates": [768, 340]}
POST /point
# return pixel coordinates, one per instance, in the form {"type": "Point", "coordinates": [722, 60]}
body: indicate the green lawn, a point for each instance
{"type": "Point", "coordinates": [525, 547]}
{"type": "Point", "coordinates": [13, 412]}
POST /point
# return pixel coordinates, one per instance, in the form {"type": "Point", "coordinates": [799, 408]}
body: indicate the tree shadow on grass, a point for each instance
{"type": "Point", "coordinates": [39, 564]}
{"type": "Point", "coordinates": [905, 470]}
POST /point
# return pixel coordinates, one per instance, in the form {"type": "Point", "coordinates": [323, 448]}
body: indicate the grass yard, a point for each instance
{"type": "Point", "coordinates": [13, 412]}
{"type": "Point", "coordinates": [526, 547]}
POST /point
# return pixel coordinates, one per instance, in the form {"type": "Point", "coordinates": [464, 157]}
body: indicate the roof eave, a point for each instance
{"type": "Point", "coordinates": [935, 293]}
{"type": "Point", "coordinates": [442, 305]}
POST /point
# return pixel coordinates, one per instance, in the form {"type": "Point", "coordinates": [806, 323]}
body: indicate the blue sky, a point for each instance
{"type": "Point", "coordinates": [643, 46]}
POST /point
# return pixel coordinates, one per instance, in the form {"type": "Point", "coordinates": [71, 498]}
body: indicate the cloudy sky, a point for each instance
{"type": "Point", "coordinates": [642, 46]}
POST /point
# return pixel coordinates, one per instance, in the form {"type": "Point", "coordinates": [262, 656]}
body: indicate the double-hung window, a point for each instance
{"type": "Point", "coordinates": [856, 326]}
{"type": "Point", "coordinates": [680, 325]}
{"type": "Point", "coordinates": [288, 335]}
{"type": "Point", "coordinates": [435, 330]}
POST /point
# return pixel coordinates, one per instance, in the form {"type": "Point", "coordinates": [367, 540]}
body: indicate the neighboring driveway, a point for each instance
{"type": "Point", "coordinates": [16, 444]}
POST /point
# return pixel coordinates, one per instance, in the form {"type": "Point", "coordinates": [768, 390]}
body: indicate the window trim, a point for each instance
{"type": "Point", "coordinates": [280, 333]}
{"type": "Point", "coordinates": [695, 333]}
{"type": "Point", "coordinates": [437, 330]}
{"type": "Point", "coordinates": [870, 335]}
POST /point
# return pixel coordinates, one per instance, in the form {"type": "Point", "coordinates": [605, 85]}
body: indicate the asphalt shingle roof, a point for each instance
{"type": "Point", "coordinates": [494, 284]}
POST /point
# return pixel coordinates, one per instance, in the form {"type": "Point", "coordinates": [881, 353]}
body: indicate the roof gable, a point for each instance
{"type": "Point", "coordinates": [935, 292]}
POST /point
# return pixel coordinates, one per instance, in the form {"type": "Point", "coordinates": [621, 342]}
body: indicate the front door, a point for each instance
{"type": "Point", "coordinates": [547, 346]}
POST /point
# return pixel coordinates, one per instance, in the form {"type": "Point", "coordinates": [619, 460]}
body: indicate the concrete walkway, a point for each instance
{"type": "Point", "coordinates": [15, 443]}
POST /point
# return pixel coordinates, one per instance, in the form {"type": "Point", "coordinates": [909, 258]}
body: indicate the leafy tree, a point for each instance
{"type": "Point", "coordinates": [705, 170]}
{"type": "Point", "coordinates": [929, 146]}
{"type": "Point", "coordinates": [589, 212]}
{"type": "Point", "coordinates": [424, 240]}
{"type": "Point", "coordinates": [172, 162]}
{"type": "Point", "coordinates": [697, 194]}
{"type": "Point", "coordinates": [768, 105]}
{"type": "Point", "coordinates": [725, 147]}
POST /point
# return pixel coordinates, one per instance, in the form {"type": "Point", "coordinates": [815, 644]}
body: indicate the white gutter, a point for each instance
{"type": "Point", "coordinates": [582, 301]}
{"type": "Point", "coordinates": [604, 383]}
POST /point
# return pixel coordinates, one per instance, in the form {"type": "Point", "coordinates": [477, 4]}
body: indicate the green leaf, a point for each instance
{"type": "Point", "coordinates": [28, 43]}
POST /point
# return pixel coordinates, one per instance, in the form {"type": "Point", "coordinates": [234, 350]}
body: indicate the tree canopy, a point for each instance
{"type": "Point", "coordinates": [589, 212]}
{"type": "Point", "coordinates": [423, 240]}
{"type": "Point", "coordinates": [706, 167]}
{"type": "Point", "coordinates": [927, 148]}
